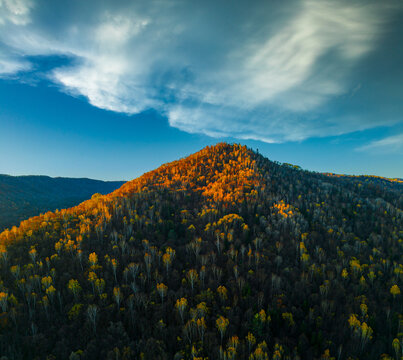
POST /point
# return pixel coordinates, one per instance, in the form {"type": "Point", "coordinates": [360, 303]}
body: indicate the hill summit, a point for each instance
{"type": "Point", "coordinates": [220, 255]}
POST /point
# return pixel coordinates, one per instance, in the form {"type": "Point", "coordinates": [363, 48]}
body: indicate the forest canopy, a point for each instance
{"type": "Point", "coordinates": [220, 255]}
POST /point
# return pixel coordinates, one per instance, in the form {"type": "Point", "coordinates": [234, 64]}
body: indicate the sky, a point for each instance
{"type": "Point", "coordinates": [110, 89]}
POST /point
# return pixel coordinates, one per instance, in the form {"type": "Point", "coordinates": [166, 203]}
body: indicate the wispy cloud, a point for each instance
{"type": "Point", "coordinates": [10, 65]}
{"type": "Point", "coordinates": [264, 72]}
{"type": "Point", "coordinates": [15, 12]}
{"type": "Point", "coordinates": [390, 144]}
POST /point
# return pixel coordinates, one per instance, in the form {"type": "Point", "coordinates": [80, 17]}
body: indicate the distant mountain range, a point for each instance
{"type": "Point", "coordinates": [24, 196]}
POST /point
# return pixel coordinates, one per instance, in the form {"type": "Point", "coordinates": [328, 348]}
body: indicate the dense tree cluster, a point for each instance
{"type": "Point", "coordinates": [221, 255]}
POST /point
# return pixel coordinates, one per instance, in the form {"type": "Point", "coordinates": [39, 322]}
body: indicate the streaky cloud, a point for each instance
{"type": "Point", "coordinates": [270, 73]}
{"type": "Point", "coordinates": [390, 144]}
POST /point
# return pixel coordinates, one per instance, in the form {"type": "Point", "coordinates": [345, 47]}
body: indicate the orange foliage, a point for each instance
{"type": "Point", "coordinates": [231, 169]}
{"type": "Point", "coordinates": [283, 209]}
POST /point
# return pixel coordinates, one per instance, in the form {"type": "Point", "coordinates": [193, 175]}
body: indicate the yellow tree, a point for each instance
{"type": "Point", "coordinates": [74, 287]}
{"type": "Point", "coordinates": [93, 259]}
{"type": "Point", "coordinates": [166, 259]}
{"type": "Point", "coordinates": [192, 277]}
{"type": "Point", "coordinates": [3, 301]}
{"type": "Point", "coordinates": [15, 270]}
{"type": "Point", "coordinates": [222, 292]}
{"type": "Point", "coordinates": [201, 328]}
{"type": "Point", "coordinates": [251, 340]}
{"type": "Point", "coordinates": [117, 295]}
{"type": "Point", "coordinates": [278, 352]}
{"type": "Point", "coordinates": [92, 277]}
{"type": "Point", "coordinates": [171, 252]}
{"type": "Point", "coordinates": [33, 254]}
{"type": "Point", "coordinates": [133, 269]}
{"type": "Point", "coordinates": [162, 290]}
{"type": "Point", "coordinates": [45, 304]}
{"type": "Point", "coordinates": [222, 324]}
{"type": "Point", "coordinates": [3, 254]}
{"type": "Point", "coordinates": [201, 309]}
{"type": "Point", "coordinates": [189, 330]}
{"type": "Point", "coordinates": [394, 290]}
{"type": "Point", "coordinates": [100, 286]}
{"type": "Point", "coordinates": [260, 352]}
{"type": "Point", "coordinates": [202, 274]}
{"type": "Point", "coordinates": [181, 305]}
{"type": "Point", "coordinates": [50, 292]}
{"type": "Point", "coordinates": [114, 264]}
{"type": "Point", "coordinates": [361, 330]}
{"type": "Point", "coordinates": [46, 282]}
{"type": "Point", "coordinates": [396, 347]}
{"type": "Point", "coordinates": [59, 246]}
{"type": "Point", "coordinates": [366, 334]}
{"type": "Point", "coordinates": [195, 246]}
{"type": "Point", "coordinates": [233, 342]}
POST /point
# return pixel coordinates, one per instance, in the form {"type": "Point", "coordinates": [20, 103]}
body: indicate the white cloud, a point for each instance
{"type": "Point", "coordinates": [15, 11]}
{"type": "Point", "coordinates": [11, 65]}
{"type": "Point", "coordinates": [107, 75]}
{"type": "Point", "coordinates": [390, 144]}
{"type": "Point", "coordinates": [265, 73]}
{"type": "Point", "coordinates": [287, 60]}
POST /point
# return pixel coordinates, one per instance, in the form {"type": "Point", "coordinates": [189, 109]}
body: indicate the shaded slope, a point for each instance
{"type": "Point", "coordinates": [24, 196]}
{"type": "Point", "coordinates": [221, 254]}
{"type": "Point", "coordinates": [396, 183]}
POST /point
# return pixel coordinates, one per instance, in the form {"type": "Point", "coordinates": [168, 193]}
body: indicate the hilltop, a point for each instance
{"type": "Point", "coordinates": [24, 196]}
{"type": "Point", "coordinates": [220, 255]}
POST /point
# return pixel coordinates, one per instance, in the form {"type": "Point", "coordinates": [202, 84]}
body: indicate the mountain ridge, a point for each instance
{"type": "Point", "coordinates": [28, 195]}
{"type": "Point", "coordinates": [135, 184]}
{"type": "Point", "coordinates": [158, 177]}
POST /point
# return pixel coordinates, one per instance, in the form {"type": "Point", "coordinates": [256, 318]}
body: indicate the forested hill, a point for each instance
{"type": "Point", "coordinates": [221, 255]}
{"type": "Point", "coordinates": [396, 183]}
{"type": "Point", "coordinates": [24, 196]}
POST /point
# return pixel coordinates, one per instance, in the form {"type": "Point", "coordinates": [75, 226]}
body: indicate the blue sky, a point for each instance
{"type": "Point", "coordinates": [111, 89]}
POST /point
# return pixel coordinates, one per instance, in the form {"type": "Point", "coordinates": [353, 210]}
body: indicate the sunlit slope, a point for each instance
{"type": "Point", "coordinates": [224, 173]}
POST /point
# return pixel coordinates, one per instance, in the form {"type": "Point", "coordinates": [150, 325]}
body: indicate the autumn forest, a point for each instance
{"type": "Point", "coordinates": [221, 255]}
